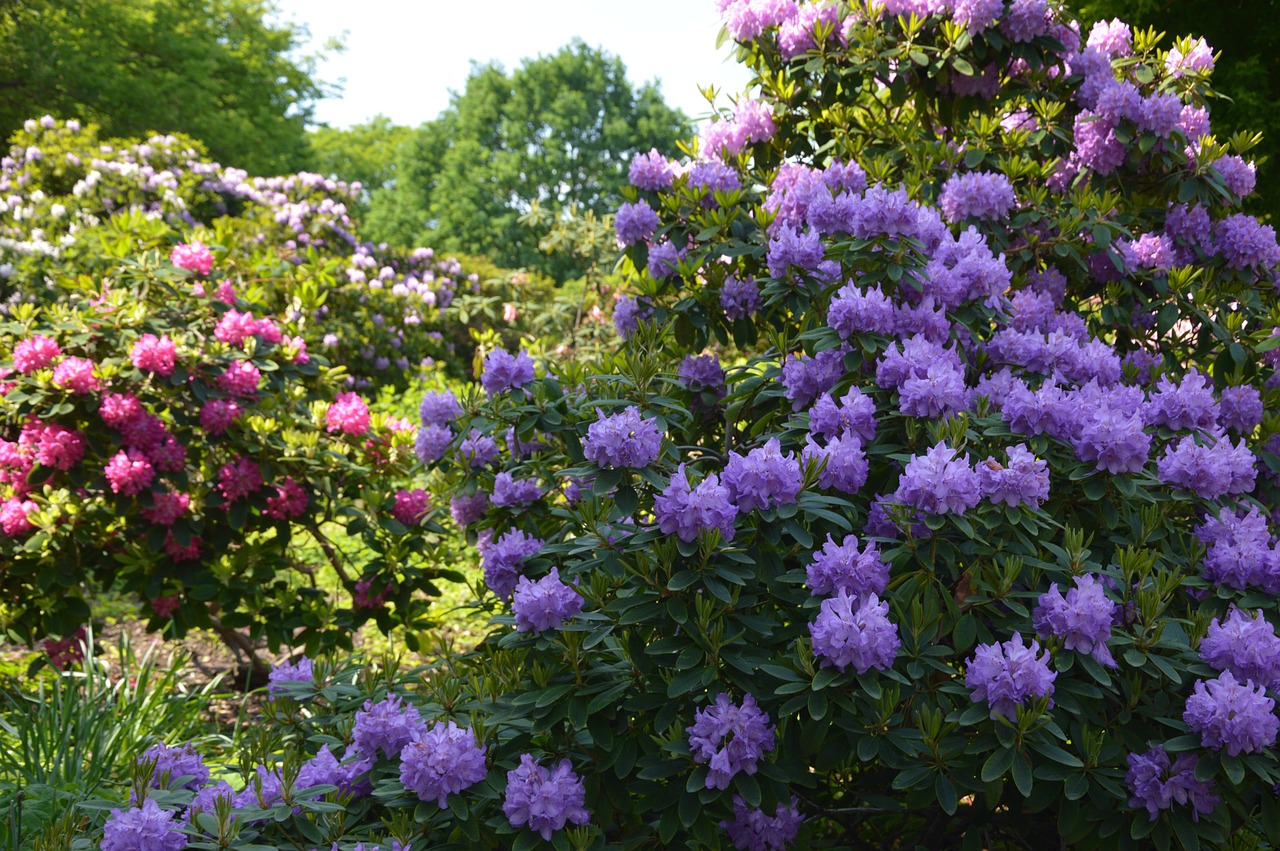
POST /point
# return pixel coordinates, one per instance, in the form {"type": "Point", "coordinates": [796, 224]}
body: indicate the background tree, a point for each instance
{"type": "Point", "coordinates": [219, 70]}
{"type": "Point", "coordinates": [366, 152]}
{"type": "Point", "coordinates": [1247, 34]}
{"type": "Point", "coordinates": [559, 130]}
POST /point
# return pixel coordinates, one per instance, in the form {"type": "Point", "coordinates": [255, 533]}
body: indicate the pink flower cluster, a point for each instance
{"type": "Point", "coordinates": [348, 414]}
{"type": "Point", "coordinates": [239, 478]}
{"type": "Point", "coordinates": [411, 506]}
{"type": "Point", "coordinates": [235, 327]}
{"type": "Point", "coordinates": [290, 501]}
{"type": "Point", "coordinates": [194, 257]}
{"type": "Point", "coordinates": [154, 354]}
{"type": "Point", "coordinates": [35, 353]}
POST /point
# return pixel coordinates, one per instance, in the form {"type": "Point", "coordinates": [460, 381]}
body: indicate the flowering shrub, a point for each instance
{"type": "Point", "coordinates": [193, 451]}
{"type": "Point", "coordinates": [944, 551]}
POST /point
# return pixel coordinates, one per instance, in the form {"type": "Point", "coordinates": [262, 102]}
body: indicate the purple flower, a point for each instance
{"type": "Point", "coordinates": [635, 222]}
{"type": "Point", "coordinates": [543, 799]}
{"type": "Point", "coordinates": [145, 828]}
{"type": "Point", "coordinates": [545, 604]}
{"type": "Point", "coordinates": [1082, 619]}
{"type": "Point", "coordinates": [264, 790]}
{"type": "Point", "coordinates": [503, 560]}
{"type": "Point", "coordinates": [1246, 646]}
{"type": "Point", "coordinates": [1186, 405]}
{"type": "Point", "coordinates": [504, 371]}
{"type": "Point", "coordinates": [685, 511]}
{"type": "Point", "coordinates": [1157, 784]}
{"type": "Point", "coordinates": [794, 248]}
{"type": "Point", "coordinates": [764, 478]}
{"type": "Point", "coordinates": [853, 311]}
{"type": "Point", "coordinates": [702, 374]}
{"type": "Point", "coordinates": [978, 195]}
{"type": "Point", "coordinates": [854, 416]}
{"type": "Point", "coordinates": [388, 726]}
{"type": "Point", "coordinates": [846, 465]}
{"type": "Point", "coordinates": [324, 770]}
{"type": "Point", "coordinates": [466, 510]}
{"type": "Point", "coordinates": [939, 483]}
{"type": "Point", "coordinates": [1114, 439]}
{"type": "Point", "coordinates": [664, 258]}
{"type": "Point", "coordinates": [432, 442]}
{"type": "Point", "coordinates": [752, 830]}
{"type": "Point", "coordinates": [623, 440]}
{"type": "Point", "coordinates": [740, 298]}
{"type": "Point", "coordinates": [177, 762]}
{"type": "Point", "coordinates": [289, 672]}
{"type": "Point", "coordinates": [1025, 20]}
{"type": "Point", "coordinates": [478, 450]}
{"type": "Point", "coordinates": [510, 491]}
{"type": "Point", "coordinates": [729, 738]}
{"type": "Point", "coordinates": [1246, 243]}
{"type": "Point", "coordinates": [627, 313]}
{"type": "Point", "coordinates": [651, 171]}
{"type": "Point", "coordinates": [1239, 551]}
{"type": "Point", "coordinates": [806, 377]}
{"type": "Point", "coordinates": [847, 632]}
{"type": "Point", "coordinates": [442, 761]}
{"type": "Point", "coordinates": [206, 800]}
{"type": "Point", "coordinates": [1211, 469]}
{"type": "Point", "coordinates": [1232, 713]}
{"type": "Point", "coordinates": [1023, 481]}
{"type": "Point", "coordinates": [843, 567]}
{"type": "Point", "coordinates": [1005, 675]}
{"type": "Point", "coordinates": [1239, 176]}
{"type": "Point", "coordinates": [1240, 409]}
{"type": "Point", "coordinates": [439, 408]}
{"type": "Point", "coordinates": [940, 392]}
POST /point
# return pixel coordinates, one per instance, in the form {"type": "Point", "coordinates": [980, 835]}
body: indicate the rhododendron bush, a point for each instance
{"type": "Point", "coordinates": [192, 451]}
{"type": "Point", "coordinates": [929, 501]}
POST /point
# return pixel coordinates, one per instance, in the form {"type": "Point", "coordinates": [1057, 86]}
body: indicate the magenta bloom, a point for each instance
{"type": "Point", "coordinates": [442, 761]}
{"type": "Point", "coordinates": [411, 506]}
{"type": "Point", "coordinates": [217, 415]}
{"type": "Point", "coordinates": [348, 414]}
{"type": "Point", "coordinates": [55, 445]}
{"type": "Point", "coordinates": [544, 799]}
{"type": "Point", "coordinates": [239, 478]}
{"type": "Point", "coordinates": [290, 501]}
{"type": "Point", "coordinates": [35, 353]}
{"type": "Point", "coordinates": [154, 354]}
{"type": "Point", "coordinates": [194, 257]}
{"type": "Point", "coordinates": [167, 508]}
{"type": "Point", "coordinates": [13, 516]}
{"type": "Point", "coordinates": [241, 378]}
{"type": "Point", "coordinates": [128, 472]}
{"type": "Point", "coordinates": [729, 738]}
{"type": "Point", "coordinates": [76, 375]}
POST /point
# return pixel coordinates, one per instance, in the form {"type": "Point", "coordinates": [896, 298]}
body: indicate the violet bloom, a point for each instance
{"type": "Point", "coordinates": [478, 450]}
{"type": "Point", "coordinates": [651, 171]}
{"type": "Point", "coordinates": [843, 567]}
{"type": "Point", "coordinates": [1246, 646]}
{"type": "Point", "coordinates": [847, 632]}
{"type": "Point", "coordinates": [685, 511]}
{"type": "Point", "coordinates": [855, 415]}
{"type": "Point", "coordinates": [324, 770]}
{"type": "Point", "coordinates": [544, 799]}
{"type": "Point", "coordinates": [740, 298]}
{"type": "Point", "coordinates": [938, 482]}
{"type": "Point", "coordinates": [764, 478]}
{"type": "Point", "coordinates": [504, 558]}
{"type": "Point", "coordinates": [466, 510]}
{"type": "Point", "coordinates": [846, 466]}
{"type": "Point", "coordinates": [442, 761]}
{"type": "Point", "coordinates": [979, 195]}
{"type": "Point", "coordinates": [513, 492]}
{"type": "Point", "coordinates": [145, 828]}
{"type": "Point", "coordinates": [290, 672]}
{"type": "Point", "coordinates": [752, 830]}
{"type": "Point", "coordinates": [544, 605]}
{"type": "Point", "coordinates": [388, 726]}
{"type": "Point", "coordinates": [431, 442]}
{"type": "Point", "coordinates": [1114, 439]}
{"type": "Point", "coordinates": [1082, 619]}
{"type": "Point", "coordinates": [1189, 404]}
{"type": "Point", "coordinates": [1008, 674]}
{"type": "Point", "coordinates": [1232, 714]}
{"type": "Point", "coordinates": [635, 223]}
{"type": "Point", "coordinates": [1158, 783]}
{"type": "Point", "coordinates": [1211, 470]}
{"type": "Point", "coordinates": [504, 371]}
{"type": "Point", "coordinates": [1239, 551]}
{"type": "Point", "coordinates": [1240, 409]}
{"type": "Point", "coordinates": [729, 738]}
{"type": "Point", "coordinates": [177, 762]}
{"type": "Point", "coordinates": [623, 440]}
{"type": "Point", "coordinates": [439, 408]}
{"type": "Point", "coordinates": [1024, 481]}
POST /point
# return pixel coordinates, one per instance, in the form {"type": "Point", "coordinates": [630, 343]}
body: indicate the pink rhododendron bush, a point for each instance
{"type": "Point", "coordinates": [192, 451]}
{"type": "Point", "coordinates": [72, 204]}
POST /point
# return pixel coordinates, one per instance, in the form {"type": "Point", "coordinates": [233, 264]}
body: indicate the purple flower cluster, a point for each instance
{"type": "Point", "coordinates": [503, 560]}
{"type": "Point", "coordinates": [544, 799]}
{"type": "Point", "coordinates": [845, 465]}
{"type": "Point", "coordinates": [764, 478]}
{"type": "Point", "coordinates": [848, 632]}
{"type": "Point", "coordinates": [635, 223]}
{"type": "Point", "coordinates": [388, 726]}
{"type": "Point", "coordinates": [1082, 618]}
{"type": "Point", "coordinates": [651, 171]}
{"type": "Point", "coordinates": [752, 830]}
{"type": "Point", "coordinates": [290, 672]}
{"type": "Point", "coordinates": [729, 738]}
{"type": "Point", "coordinates": [324, 769]}
{"type": "Point", "coordinates": [1240, 550]}
{"type": "Point", "coordinates": [504, 371]}
{"type": "Point", "coordinates": [1008, 674]}
{"type": "Point", "coordinates": [1158, 783]}
{"type": "Point", "coordinates": [853, 416]}
{"type": "Point", "coordinates": [466, 510]}
{"type": "Point", "coordinates": [806, 377]}
{"type": "Point", "coordinates": [1232, 714]}
{"type": "Point", "coordinates": [978, 195]}
{"type": "Point", "coordinates": [144, 828]}
{"type": "Point", "coordinates": [686, 512]}
{"type": "Point", "coordinates": [843, 567]}
{"type": "Point", "coordinates": [510, 492]}
{"type": "Point", "coordinates": [740, 297]}
{"type": "Point", "coordinates": [1211, 468]}
{"type": "Point", "coordinates": [1189, 404]}
{"type": "Point", "coordinates": [177, 762]}
{"type": "Point", "coordinates": [623, 440]}
{"type": "Point", "coordinates": [545, 604]}
{"type": "Point", "coordinates": [939, 482]}
{"type": "Point", "coordinates": [1246, 646]}
{"type": "Point", "coordinates": [478, 450]}
{"type": "Point", "coordinates": [444, 760]}
{"type": "Point", "coordinates": [1023, 480]}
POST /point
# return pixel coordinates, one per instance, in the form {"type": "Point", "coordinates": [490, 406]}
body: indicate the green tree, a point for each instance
{"type": "Point", "coordinates": [366, 152]}
{"type": "Point", "coordinates": [560, 130]}
{"type": "Point", "coordinates": [1247, 33]}
{"type": "Point", "coordinates": [218, 70]}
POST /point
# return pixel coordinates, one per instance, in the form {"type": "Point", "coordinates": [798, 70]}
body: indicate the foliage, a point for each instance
{"type": "Point", "coordinates": [364, 154]}
{"type": "Point", "coordinates": [558, 130]}
{"type": "Point", "coordinates": [1247, 36]}
{"type": "Point", "coordinates": [220, 70]}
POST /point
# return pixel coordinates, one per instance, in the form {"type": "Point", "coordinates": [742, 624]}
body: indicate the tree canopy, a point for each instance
{"type": "Point", "coordinates": [559, 130]}
{"type": "Point", "coordinates": [222, 71]}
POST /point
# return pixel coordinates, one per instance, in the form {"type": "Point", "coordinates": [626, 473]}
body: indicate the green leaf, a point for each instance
{"type": "Point", "coordinates": [997, 764]}
{"type": "Point", "coordinates": [1022, 774]}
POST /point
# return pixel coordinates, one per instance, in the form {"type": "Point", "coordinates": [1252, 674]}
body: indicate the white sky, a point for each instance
{"type": "Point", "coordinates": [403, 57]}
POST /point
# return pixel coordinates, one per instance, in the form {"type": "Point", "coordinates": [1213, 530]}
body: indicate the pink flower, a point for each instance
{"type": "Point", "coordinates": [76, 374]}
{"type": "Point", "coordinates": [35, 353]}
{"type": "Point", "coordinates": [348, 414]}
{"type": "Point", "coordinates": [178, 552]}
{"type": "Point", "coordinates": [364, 600]}
{"type": "Point", "coordinates": [166, 606]}
{"type": "Point", "coordinates": [240, 379]}
{"type": "Point", "coordinates": [239, 478]}
{"type": "Point", "coordinates": [194, 257]}
{"type": "Point", "coordinates": [226, 292]}
{"type": "Point", "coordinates": [235, 327]}
{"type": "Point", "coordinates": [154, 354]}
{"type": "Point", "coordinates": [120, 409]}
{"type": "Point", "coordinates": [218, 414]}
{"type": "Point", "coordinates": [510, 313]}
{"type": "Point", "coordinates": [411, 506]}
{"type": "Point", "coordinates": [54, 445]}
{"type": "Point", "coordinates": [128, 472]}
{"type": "Point", "coordinates": [299, 347]}
{"type": "Point", "coordinates": [13, 517]}
{"type": "Point", "coordinates": [289, 502]}
{"type": "Point", "coordinates": [169, 506]}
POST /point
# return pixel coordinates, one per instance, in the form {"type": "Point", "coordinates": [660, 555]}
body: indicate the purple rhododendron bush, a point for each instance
{"type": "Point", "coordinates": [928, 501]}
